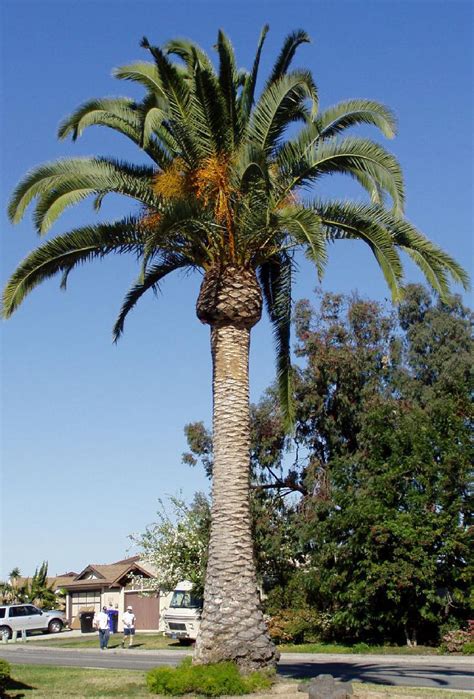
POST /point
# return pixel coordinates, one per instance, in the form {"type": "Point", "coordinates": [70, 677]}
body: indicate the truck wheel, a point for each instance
{"type": "Point", "coordinates": [5, 633]}
{"type": "Point", "coordinates": [55, 626]}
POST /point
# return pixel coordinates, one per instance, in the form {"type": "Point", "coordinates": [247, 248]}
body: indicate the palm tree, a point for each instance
{"type": "Point", "coordinates": [223, 195]}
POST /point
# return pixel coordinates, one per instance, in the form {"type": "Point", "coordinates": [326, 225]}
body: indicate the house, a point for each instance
{"type": "Point", "coordinates": [113, 585]}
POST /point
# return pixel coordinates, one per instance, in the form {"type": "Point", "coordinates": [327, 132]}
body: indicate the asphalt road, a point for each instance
{"type": "Point", "coordinates": [439, 672]}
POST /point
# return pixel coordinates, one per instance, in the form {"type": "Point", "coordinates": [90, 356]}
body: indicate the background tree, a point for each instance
{"type": "Point", "coordinates": [381, 469]}
{"type": "Point", "coordinates": [36, 590]}
{"type": "Point", "coordinates": [176, 545]}
{"type": "Point", "coordinates": [386, 419]}
{"type": "Point", "coordinates": [223, 196]}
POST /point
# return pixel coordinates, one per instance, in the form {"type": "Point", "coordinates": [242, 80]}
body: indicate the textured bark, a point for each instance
{"type": "Point", "coordinates": [232, 626]}
{"type": "Point", "coordinates": [230, 296]}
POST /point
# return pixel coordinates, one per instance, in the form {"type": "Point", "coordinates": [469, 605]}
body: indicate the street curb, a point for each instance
{"type": "Point", "coordinates": [365, 659]}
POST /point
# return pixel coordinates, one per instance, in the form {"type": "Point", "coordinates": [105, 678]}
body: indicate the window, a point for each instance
{"type": "Point", "coordinates": [80, 601]}
{"type": "Point", "coordinates": [18, 611]}
{"type": "Point", "coordinates": [185, 600]}
{"type": "Point", "coordinates": [2, 612]}
{"type": "Point", "coordinates": [32, 610]}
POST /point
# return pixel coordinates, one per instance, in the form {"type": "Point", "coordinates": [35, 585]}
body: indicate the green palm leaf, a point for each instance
{"type": "Point", "coordinates": [64, 182]}
{"type": "Point", "coordinates": [142, 72]}
{"type": "Point", "coordinates": [250, 81]}
{"type": "Point", "coordinates": [304, 227]}
{"type": "Point", "coordinates": [301, 165]}
{"type": "Point", "coordinates": [353, 113]}
{"type": "Point", "coordinates": [64, 252]}
{"type": "Point", "coordinates": [343, 220]}
{"type": "Point", "coordinates": [228, 81]}
{"type": "Point", "coordinates": [215, 128]}
{"type": "Point", "coordinates": [183, 111]}
{"type": "Point", "coordinates": [190, 52]}
{"type": "Point", "coordinates": [124, 116]}
{"type": "Point", "coordinates": [275, 278]}
{"type": "Point", "coordinates": [281, 103]}
{"type": "Point", "coordinates": [150, 280]}
{"type": "Point", "coordinates": [287, 53]}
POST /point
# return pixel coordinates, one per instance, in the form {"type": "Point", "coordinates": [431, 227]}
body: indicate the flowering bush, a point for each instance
{"type": "Point", "coordinates": [455, 641]}
{"type": "Point", "coordinates": [176, 545]}
{"type": "Point", "coordinates": [296, 626]}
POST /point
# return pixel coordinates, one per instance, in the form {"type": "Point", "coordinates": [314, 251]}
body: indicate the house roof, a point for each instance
{"type": "Point", "coordinates": [109, 574]}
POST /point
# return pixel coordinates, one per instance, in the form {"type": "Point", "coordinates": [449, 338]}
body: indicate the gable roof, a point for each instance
{"type": "Point", "coordinates": [110, 574]}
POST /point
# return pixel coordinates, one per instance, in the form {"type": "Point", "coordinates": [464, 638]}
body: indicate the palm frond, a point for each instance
{"type": "Point", "coordinates": [142, 72]}
{"type": "Point", "coordinates": [300, 165]}
{"type": "Point", "coordinates": [248, 89]}
{"type": "Point", "coordinates": [215, 128]}
{"type": "Point", "coordinates": [280, 104]}
{"type": "Point", "coordinates": [346, 220]}
{"type": "Point", "coordinates": [149, 280]}
{"type": "Point", "coordinates": [354, 113]}
{"type": "Point", "coordinates": [228, 81]}
{"type": "Point", "coordinates": [304, 226]}
{"type": "Point", "coordinates": [116, 112]}
{"type": "Point", "coordinates": [190, 52]}
{"type": "Point", "coordinates": [122, 115]}
{"type": "Point", "coordinates": [63, 253]}
{"type": "Point", "coordinates": [275, 278]}
{"type": "Point", "coordinates": [185, 119]}
{"type": "Point", "coordinates": [54, 184]}
{"type": "Point", "coordinates": [287, 53]}
{"type": "Point", "coordinates": [182, 228]}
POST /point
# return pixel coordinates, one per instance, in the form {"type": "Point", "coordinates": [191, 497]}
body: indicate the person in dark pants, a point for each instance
{"type": "Point", "coordinates": [101, 623]}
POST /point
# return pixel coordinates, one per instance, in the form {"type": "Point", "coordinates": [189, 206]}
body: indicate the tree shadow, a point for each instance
{"type": "Point", "coordinates": [376, 673]}
{"type": "Point", "coordinates": [14, 685]}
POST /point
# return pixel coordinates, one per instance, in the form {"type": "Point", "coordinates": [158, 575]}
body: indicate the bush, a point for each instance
{"type": "Point", "coordinates": [454, 641]}
{"type": "Point", "coordinates": [5, 671]}
{"type": "Point", "coordinates": [468, 648]}
{"type": "Point", "coordinates": [212, 680]}
{"type": "Point", "coordinates": [296, 626]}
{"type": "Point", "coordinates": [361, 648]}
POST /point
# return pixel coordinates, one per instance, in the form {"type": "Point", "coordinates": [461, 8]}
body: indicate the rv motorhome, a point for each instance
{"type": "Point", "coordinates": [183, 617]}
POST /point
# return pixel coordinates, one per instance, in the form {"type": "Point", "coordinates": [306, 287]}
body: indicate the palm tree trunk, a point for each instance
{"type": "Point", "coordinates": [232, 626]}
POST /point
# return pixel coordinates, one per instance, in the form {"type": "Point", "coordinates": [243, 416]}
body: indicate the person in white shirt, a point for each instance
{"type": "Point", "coordinates": [101, 623]}
{"type": "Point", "coordinates": [128, 619]}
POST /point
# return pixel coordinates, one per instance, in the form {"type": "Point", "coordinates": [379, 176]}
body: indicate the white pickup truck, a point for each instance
{"type": "Point", "coordinates": [183, 617]}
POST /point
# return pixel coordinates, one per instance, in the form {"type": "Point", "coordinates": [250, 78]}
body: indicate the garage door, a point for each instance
{"type": "Point", "coordinates": [146, 610]}
{"type": "Point", "coordinates": [80, 601]}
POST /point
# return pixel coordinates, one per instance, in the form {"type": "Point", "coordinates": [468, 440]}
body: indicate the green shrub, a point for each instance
{"type": "Point", "coordinates": [361, 648]}
{"type": "Point", "coordinates": [212, 680]}
{"type": "Point", "coordinates": [5, 671]}
{"type": "Point", "coordinates": [468, 648]}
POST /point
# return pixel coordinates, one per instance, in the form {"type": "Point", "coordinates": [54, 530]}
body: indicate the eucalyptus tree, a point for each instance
{"type": "Point", "coordinates": [222, 195]}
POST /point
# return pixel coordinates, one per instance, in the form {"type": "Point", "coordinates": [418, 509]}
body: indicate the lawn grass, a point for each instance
{"type": "Point", "coordinates": [156, 641]}
{"type": "Point", "coordinates": [376, 691]}
{"type": "Point", "coordinates": [47, 682]}
{"type": "Point", "coordinates": [356, 649]}
{"type": "Point", "coordinates": [142, 641]}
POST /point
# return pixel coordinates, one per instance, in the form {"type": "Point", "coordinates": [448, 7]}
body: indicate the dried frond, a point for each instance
{"type": "Point", "coordinates": [150, 219]}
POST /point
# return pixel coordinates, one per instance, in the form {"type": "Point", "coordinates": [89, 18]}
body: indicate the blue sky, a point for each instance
{"type": "Point", "coordinates": [92, 433]}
